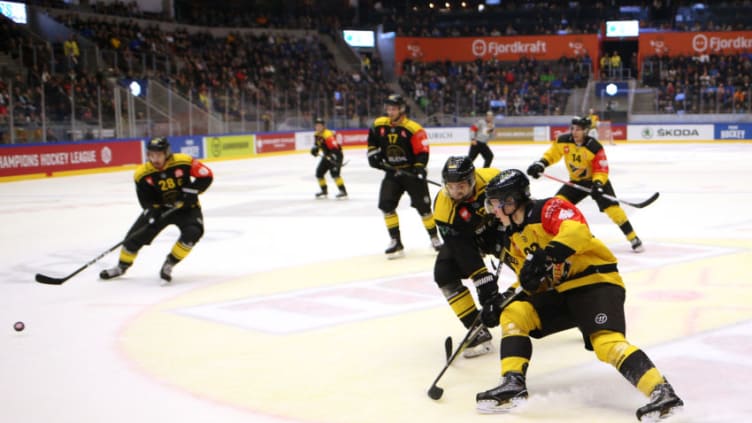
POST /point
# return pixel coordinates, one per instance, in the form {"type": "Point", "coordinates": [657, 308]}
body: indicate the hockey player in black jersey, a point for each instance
{"type": "Point", "coordinates": [331, 159]}
{"type": "Point", "coordinates": [399, 147]}
{"type": "Point", "coordinates": [166, 181]}
{"type": "Point", "coordinates": [469, 234]}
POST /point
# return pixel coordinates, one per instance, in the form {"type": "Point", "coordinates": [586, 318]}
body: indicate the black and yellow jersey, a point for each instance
{"type": "Point", "coordinates": [466, 217]}
{"type": "Point", "coordinates": [401, 144]}
{"type": "Point", "coordinates": [584, 162]}
{"type": "Point", "coordinates": [163, 187]}
{"type": "Point", "coordinates": [467, 229]}
{"type": "Point", "coordinates": [559, 225]}
{"type": "Point", "coordinates": [326, 142]}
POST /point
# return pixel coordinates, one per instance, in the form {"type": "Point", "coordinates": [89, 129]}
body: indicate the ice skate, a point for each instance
{"type": "Point", "coordinates": [321, 195]}
{"type": "Point", "coordinates": [113, 272]}
{"type": "Point", "coordinates": [637, 245]}
{"type": "Point", "coordinates": [436, 242]}
{"type": "Point", "coordinates": [509, 394]}
{"type": "Point", "coordinates": [166, 272]}
{"type": "Point", "coordinates": [663, 403]}
{"type": "Point", "coordinates": [479, 345]}
{"type": "Point", "coordinates": [395, 249]}
{"type": "Point", "coordinates": [341, 195]}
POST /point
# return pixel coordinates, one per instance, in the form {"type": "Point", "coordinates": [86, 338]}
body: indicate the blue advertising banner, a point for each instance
{"type": "Point", "coordinates": [191, 145]}
{"type": "Point", "coordinates": [733, 131]}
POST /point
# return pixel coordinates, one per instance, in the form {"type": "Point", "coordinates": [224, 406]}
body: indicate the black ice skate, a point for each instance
{"type": "Point", "coordinates": [509, 394]}
{"type": "Point", "coordinates": [637, 245]}
{"type": "Point", "coordinates": [479, 345]}
{"type": "Point", "coordinates": [113, 272]}
{"type": "Point", "coordinates": [341, 195]}
{"type": "Point", "coordinates": [663, 403]}
{"type": "Point", "coordinates": [321, 195]}
{"type": "Point", "coordinates": [395, 249]}
{"type": "Point", "coordinates": [166, 272]}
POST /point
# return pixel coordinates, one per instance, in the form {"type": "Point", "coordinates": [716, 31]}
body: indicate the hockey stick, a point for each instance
{"type": "Point", "coordinates": [638, 205]}
{"type": "Point", "coordinates": [49, 280]}
{"type": "Point", "coordinates": [334, 162]}
{"type": "Point", "coordinates": [435, 392]}
{"type": "Point", "coordinates": [398, 172]}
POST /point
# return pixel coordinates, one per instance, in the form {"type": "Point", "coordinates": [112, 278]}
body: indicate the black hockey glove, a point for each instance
{"type": "Point", "coordinates": [314, 151]}
{"type": "Point", "coordinates": [536, 169]}
{"type": "Point", "coordinates": [491, 312]}
{"type": "Point", "coordinates": [596, 191]}
{"type": "Point", "coordinates": [533, 271]}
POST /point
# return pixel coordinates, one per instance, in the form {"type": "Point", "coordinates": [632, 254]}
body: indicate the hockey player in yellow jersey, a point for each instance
{"type": "Point", "coordinates": [469, 234]}
{"type": "Point", "coordinates": [399, 146]}
{"type": "Point", "coordinates": [331, 159]}
{"type": "Point", "coordinates": [571, 281]}
{"type": "Point", "coordinates": [167, 181]}
{"type": "Point", "coordinates": [586, 162]}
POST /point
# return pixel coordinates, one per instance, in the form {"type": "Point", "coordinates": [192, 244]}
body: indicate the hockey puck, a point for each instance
{"type": "Point", "coordinates": [19, 326]}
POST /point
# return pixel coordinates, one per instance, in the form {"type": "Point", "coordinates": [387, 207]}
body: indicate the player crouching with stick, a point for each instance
{"type": "Point", "coordinates": [167, 186]}
{"type": "Point", "coordinates": [573, 282]}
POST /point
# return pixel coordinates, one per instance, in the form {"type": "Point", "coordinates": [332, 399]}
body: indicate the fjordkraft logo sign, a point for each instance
{"type": "Point", "coordinates": [694, 43]}
{"type": "Point", "coordinates": [467, 49]}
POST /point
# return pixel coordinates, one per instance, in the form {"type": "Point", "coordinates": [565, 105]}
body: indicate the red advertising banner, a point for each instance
{"type": "Point", "coordinates": [51, 158]}
{"type": "Point", "coordinates": [347, 137]}
{"type": "Point", "coordinates": [558, 130]}
{"type": "Point", "coordinates": [269, 143]}
{"type": "Point", "coordinates": [619, 132]}
{"type": "Point", "coordinates": [467, 49]}
{"type": "Point", "coordinates": [694, 43]}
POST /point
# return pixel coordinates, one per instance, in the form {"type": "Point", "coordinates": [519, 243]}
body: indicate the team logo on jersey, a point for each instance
{"type": "Point", "coordinates": [403, 134]}
{"type": "Point", "coordinates": [601, 319]}
{"type": "Point", "coordinates": [565, 214]}
{"type": "Point", "coordinates": [465, 214]}
{"type": "Point", "coordinates": [178, 173]}
{"type": "Point", "coordinates": [382, 131]}
{"type": "Point", "coordinates": [566, 149]}
{"type": "Point", "coordinates": [149, 180]}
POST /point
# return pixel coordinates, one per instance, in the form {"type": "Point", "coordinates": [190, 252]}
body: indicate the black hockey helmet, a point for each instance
{"type": "Point", "coordinates": [396, 100]}
{"type": "Point", "coordinates": [458, 169]}
{"type": "Point", "coordinates": [583, 122]}
{"type": "Point", "coordinates": [319, 120]}
{"type": "Point", "coordinates": [159, 144]}
{"type": "Point", "coordinates": [509, 183]}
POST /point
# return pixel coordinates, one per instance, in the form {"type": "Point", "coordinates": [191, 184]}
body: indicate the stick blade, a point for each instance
{"type": "Point", "coordinates": [435, 393]}
{"type": "Point", "coordinates": [48, 280]}
{"type": "Point", "coordinates": [649, 201]}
